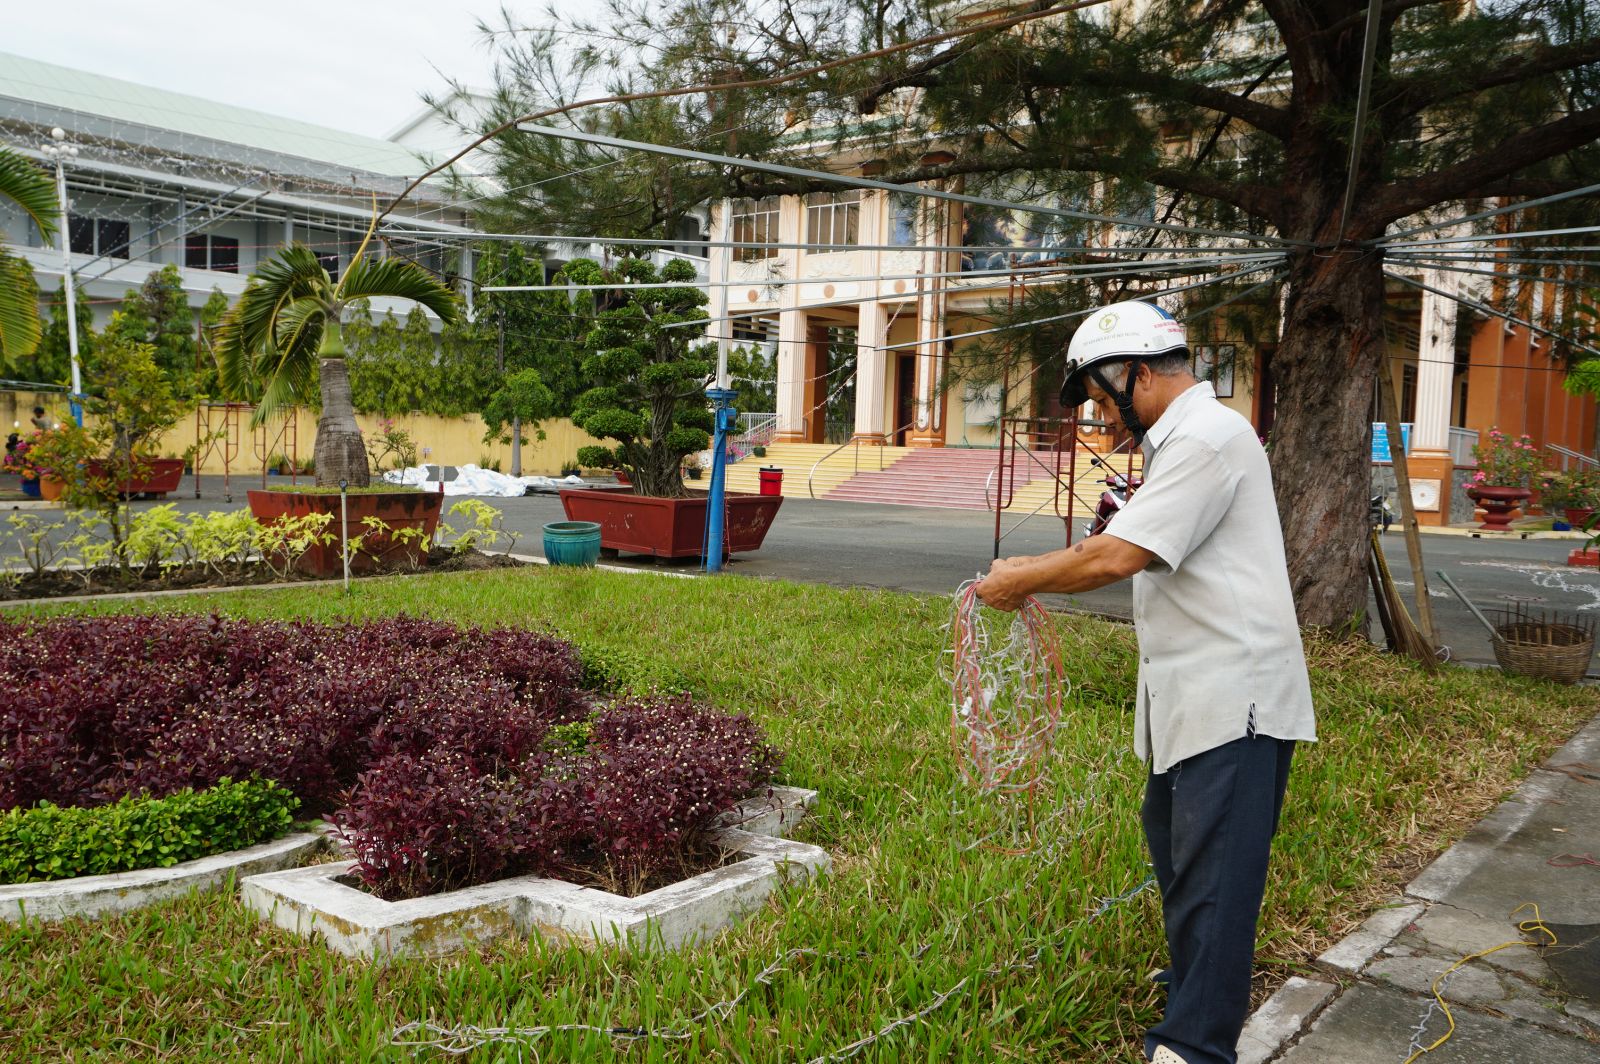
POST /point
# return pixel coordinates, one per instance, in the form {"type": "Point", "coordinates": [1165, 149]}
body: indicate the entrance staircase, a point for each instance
{"type": "Point", "coordinates": [952, 478]}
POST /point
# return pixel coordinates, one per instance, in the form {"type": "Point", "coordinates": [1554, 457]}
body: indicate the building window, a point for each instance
{"type": "Point", "coordinates": [114, 237]}
{"type": "Point", "coordinates": [80, 234]}
{"type": "Point", "coordinates": [831, 218]}
{"type": "Point", "coordinates": [105, 237]}
{"type": "Point", "coordinates": [903, 219]}
{"type": "Point", "coordinates": [755, 222]}
{"type": "Point", "coordinates": [202, 252]}
{"type": "Point", "coordinates": [330, 262]}
{"type": "Point", "coordinates": [1215, 363]}
{"type": "Point", "coordinates": [225, 254]}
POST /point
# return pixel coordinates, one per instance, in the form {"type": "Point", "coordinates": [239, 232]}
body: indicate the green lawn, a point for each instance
{"type": "Point", "coordinates": [918, 904]}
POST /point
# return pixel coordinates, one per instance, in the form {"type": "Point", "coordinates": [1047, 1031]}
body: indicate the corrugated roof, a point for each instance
{"type": "Point", "coordinates": [52, 86]}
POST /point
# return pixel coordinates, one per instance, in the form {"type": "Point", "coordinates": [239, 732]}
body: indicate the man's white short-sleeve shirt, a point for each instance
{"type": "Point", "coordinates": [1219, 645]}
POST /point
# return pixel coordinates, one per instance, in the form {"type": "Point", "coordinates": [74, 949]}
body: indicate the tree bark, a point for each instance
{"type": "Point", "coordinates": [341, 452]}
{"type": "Point", "coordinates": [1325, 368]}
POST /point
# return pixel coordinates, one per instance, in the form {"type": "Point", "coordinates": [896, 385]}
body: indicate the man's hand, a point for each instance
{"type": "Point", "coordinates": [1004, 588]}
{"type": "Point", "coordinates": [1086, 565]}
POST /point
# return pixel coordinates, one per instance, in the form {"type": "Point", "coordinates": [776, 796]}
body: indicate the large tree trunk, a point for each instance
{"type": "Point", "coordinates": [341, 453]}
{"type": "Point", "coordinates": [1321, 464]}
{"type": "Point", "coordinates": [659, 474]}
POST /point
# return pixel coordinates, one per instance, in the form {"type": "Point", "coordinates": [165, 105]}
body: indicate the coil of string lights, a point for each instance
{"type": "Point", "coordinates": [1006, 694]}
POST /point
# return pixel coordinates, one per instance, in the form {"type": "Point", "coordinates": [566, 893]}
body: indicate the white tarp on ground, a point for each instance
{"type": "Point", "coordinates": [471, 480]}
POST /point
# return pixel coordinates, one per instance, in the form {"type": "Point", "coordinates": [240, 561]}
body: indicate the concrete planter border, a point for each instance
{"type": "Point", "coordinates": [121, 892]}
{"type": "Point", "coordinates": [311, 902]}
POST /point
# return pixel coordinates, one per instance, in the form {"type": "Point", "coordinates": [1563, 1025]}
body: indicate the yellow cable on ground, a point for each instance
{"type": "Point", "coordinates": [1526, 927]}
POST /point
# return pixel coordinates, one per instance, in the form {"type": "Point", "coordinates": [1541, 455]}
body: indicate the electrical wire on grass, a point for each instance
{"type": "Point", "coordinates": [461, 1039]}
{"type": "Point", "coordinates": [1416, 1048]}
{"type": "Point", "coordinates": [1007, 694]}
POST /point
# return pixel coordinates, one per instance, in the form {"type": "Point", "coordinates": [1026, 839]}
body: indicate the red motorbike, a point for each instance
{"type": "Point", "coordinates": [1119, 489]}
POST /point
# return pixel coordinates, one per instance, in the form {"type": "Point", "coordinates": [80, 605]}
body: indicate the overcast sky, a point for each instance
{"type": "Point", "coordinates": [356, 65]}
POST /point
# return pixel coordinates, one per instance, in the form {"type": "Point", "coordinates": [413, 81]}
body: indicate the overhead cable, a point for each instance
{"type": "Point", "coordinates": [1484, 308]}
{"type": "Point", "coordinates": [1075, 313]}
{"type": "Point", "coordinates": [1004, 22]}
{"type": "Point", "coordinates": [1029, 273]}
{"type": "Point", "coordinates": [848, 181]}
{"type": "Point", "coordinates": [1587, 190]}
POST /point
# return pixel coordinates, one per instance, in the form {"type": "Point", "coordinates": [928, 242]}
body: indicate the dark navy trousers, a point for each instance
{"type": "Point", "coordinates": [1209, 821]}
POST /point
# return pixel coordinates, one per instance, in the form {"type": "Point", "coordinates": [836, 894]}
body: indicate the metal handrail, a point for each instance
{"type": "Point", "coordinates": [1569, 453]}
{"type": "Point", "coordinates": [856, 442]}
{"type": "Point", "coordinates": [1036, 460]}
{"type": "Point", "coordinates": [1071, 479]}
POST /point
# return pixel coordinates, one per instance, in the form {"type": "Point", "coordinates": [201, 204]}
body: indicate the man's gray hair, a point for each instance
{"type": "Point", "coordinates": [1169, 365]}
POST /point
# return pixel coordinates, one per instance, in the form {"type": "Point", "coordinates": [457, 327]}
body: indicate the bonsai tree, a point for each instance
{"type": "Point", "coordinates": [288, 325]}
{"type": "Point", "coordinates": [652, 369]}
{"type": "Point", "coordinates": [27, 186]}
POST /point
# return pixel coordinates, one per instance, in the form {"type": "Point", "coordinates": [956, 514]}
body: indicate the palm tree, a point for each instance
{"type": "Point", "coordinates": [32, 190]}
{"type": "Point", "coordinates": [287, 324]}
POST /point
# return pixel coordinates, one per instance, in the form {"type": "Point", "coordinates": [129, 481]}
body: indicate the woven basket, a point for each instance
{"type": "Point", "coordinates": [1545, 650]}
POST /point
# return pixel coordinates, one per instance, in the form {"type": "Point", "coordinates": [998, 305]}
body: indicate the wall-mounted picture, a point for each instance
{"type": "Point", "coordinates": [1214, 363]}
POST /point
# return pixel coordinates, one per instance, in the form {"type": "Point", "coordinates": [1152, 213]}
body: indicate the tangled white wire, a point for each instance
{"type": "Point", "coordinates": [1006, 695]}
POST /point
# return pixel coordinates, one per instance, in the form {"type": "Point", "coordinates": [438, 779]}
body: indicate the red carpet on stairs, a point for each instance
{"type": "Point", "coordinates": [947, 477]}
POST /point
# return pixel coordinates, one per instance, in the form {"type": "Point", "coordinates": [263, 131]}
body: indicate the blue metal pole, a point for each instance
{"type": "Point", "coordinates": [722, 401]}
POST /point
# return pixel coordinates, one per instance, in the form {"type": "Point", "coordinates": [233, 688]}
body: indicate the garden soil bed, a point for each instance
{"type": "Point", "coordinates": [58, 583]}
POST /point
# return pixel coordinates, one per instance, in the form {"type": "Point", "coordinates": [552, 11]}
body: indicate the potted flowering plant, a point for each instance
{"type": "Point", "coordinates": [1504, 477]}
{"type": "Point", "coordinates": [22, 459]}
{"type": "Point", "coordinates": [1574, 493]}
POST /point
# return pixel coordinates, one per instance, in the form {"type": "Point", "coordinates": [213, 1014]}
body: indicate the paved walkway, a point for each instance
{"type": "Point", "coordinates": [1372, 1003]}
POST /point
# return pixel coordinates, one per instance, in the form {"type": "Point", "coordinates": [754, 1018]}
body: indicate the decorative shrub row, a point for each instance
{"type": "Point", "coordinates": [627, 792]}
{"type": "Point", "coordinates": [52, 842]}
{"type": "Point", "coordinates": [459, 756]}
{"type": "Point", "coordinates": [98, 708]}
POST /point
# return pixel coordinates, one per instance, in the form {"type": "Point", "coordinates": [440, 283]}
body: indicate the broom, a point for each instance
{"type": "Point", "coordinates": [1398, 628]}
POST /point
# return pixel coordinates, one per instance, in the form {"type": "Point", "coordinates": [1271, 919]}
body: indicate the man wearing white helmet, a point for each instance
{"type": "Point", "coordinates": [1223, 694]}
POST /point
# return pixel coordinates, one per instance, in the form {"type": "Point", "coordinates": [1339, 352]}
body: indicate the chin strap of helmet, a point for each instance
{"type": "Point", "coordinates": [1123, 397]}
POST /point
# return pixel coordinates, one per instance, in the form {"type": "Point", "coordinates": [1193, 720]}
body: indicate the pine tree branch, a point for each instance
{"type": "Point", "coordinates": [1470, 177]}
{"type": "Point", "coordinates": [1418, 93]}
{"type": "Point", "coordinates": [1391, 11]}
{"type": "Point", "coordinates": [1274, 121]}
{"type": "Point", "coordinates": [1260, 201]}
{"type": "Point", "coordinates": [1271, 120]}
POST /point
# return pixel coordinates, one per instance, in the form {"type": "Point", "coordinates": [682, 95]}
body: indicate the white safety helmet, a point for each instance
{"type": "Point", "coordinates": [1120, 332]}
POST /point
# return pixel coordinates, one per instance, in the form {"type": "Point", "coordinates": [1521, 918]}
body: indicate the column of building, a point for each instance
{"type": "Point", "coordinates": [941, 231]}
{"type": "Point", "coordinates": [795, 359]}
{"type": "Point", "coordinates": [872, 326]}
{"type": "Point", "coordinates": [1429, 460]}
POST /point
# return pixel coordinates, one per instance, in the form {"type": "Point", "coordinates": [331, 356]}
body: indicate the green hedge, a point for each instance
{"type": "Point", "coordinates": [56, 842]}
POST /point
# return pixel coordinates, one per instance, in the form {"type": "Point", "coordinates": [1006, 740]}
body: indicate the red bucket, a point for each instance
{"type": "Point", "coordinates": [771, 480]}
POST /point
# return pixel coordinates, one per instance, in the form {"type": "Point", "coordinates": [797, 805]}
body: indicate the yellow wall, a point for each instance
{"type": "Point", "coordinates": [444, 441]}
{"type": "Point", "coordinates": [439, 440]}
{"type": "Point", "coordinates": [16, 409]}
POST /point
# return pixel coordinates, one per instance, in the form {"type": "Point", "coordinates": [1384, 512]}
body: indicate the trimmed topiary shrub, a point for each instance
{"type": "Point", "coordinates": [104, 707]}
{"type": "Point", "coordinates": [53, 842]}
{"type": "Point", "coordinates": [620, 799]}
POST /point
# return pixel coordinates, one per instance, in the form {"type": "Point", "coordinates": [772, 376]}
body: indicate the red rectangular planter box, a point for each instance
{"type": "Point", "coordinates": [397, 509]}
{"type": "Point", "coordinates": [161, 476]}
{"type": "Point", "coordinates": [668, 528]}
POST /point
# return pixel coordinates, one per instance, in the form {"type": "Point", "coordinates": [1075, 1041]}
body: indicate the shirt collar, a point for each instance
{"type": "Point", "coordinates": [1158, 433]}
